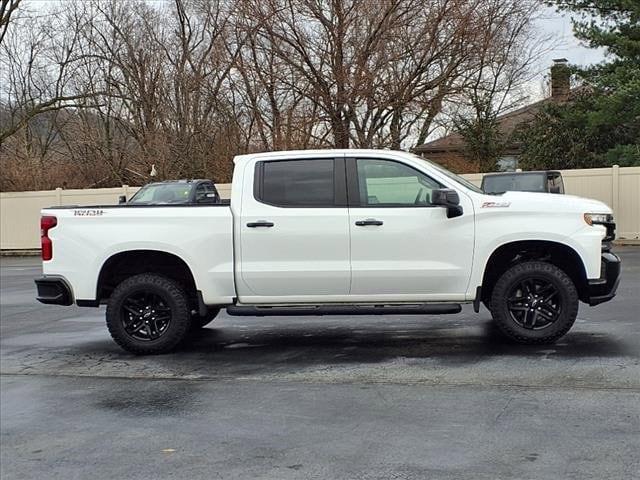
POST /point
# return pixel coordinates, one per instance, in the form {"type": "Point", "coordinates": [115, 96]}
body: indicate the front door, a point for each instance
{"type": "Point", "coordinates": [294, 232]}
{"type": "Point", "coordinates": [403, 248]}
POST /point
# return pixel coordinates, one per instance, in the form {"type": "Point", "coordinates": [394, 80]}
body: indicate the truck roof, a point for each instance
{"type": "Point", "coordinates": [310, 154]}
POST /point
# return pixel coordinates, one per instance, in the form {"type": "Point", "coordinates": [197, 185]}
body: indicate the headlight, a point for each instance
{"type": "Point", "coordinates": [597, 218]}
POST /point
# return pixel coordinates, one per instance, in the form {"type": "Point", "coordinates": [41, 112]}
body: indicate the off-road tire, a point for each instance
{"type": "Point", "coordinates": [568, 302]}
{"type": "Point", "coordinates": [174, 296]}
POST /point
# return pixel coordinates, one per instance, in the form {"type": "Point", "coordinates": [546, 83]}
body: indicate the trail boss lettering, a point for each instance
{"type": "Point", "coordinates": [88, 213]}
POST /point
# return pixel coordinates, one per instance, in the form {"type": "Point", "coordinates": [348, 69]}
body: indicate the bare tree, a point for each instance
{"type": "Point", "coordinates": [507, 49]}
{"type": "Point", "coordinates": [274, 98]}
{"type": "Point", "coordinates": [101, 90]}
{"type": "Point", "coordinates": [37, 63]}
{"type": "Point", "coordinates": [7, 9]}
{"type": "Point", "coordinates": [378, 73]}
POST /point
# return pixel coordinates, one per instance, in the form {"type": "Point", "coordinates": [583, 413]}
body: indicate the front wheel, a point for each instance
{"type": "Point", "coordinates": [148, 314]}
{"type": "Point", "coordinates": [534, 303]}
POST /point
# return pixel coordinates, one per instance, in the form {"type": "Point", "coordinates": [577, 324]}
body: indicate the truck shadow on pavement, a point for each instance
{"type": "Point", "coordinates": [402, 349]}
{"type": "Point", "coordinates": [309, 344]}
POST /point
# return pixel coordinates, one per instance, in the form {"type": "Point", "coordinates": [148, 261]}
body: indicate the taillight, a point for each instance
{"type": "Point", "coordinates": [47, 222]}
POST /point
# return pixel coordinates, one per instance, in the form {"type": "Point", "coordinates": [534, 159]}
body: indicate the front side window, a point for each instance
{"type": "Point", "coordinates": [297, 183]}
{"type": "Point", "coordinates": [387, 183]}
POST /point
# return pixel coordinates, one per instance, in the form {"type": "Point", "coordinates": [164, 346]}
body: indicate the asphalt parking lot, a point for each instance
{"type": "Point", "coordinates": [391, 397]}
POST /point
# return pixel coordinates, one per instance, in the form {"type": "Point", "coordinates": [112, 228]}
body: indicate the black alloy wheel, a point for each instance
{"type": "Point", "coordinates": [534, 303]}
{"type": "Point", "coordinates": [145, 315]}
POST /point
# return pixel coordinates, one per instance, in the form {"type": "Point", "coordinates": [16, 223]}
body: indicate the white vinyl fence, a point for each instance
{"type": "Point", "coordinates": [20, 211]}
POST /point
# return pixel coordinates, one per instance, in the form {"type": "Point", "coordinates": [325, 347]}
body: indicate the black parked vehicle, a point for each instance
{"type": "Point", "coordinates": [175, 192]}
{"type": "Point", "coordinates": [547, 181]}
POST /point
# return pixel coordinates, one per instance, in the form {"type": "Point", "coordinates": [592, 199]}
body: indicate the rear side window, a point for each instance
{"type": "Point", "coordinates": [296, 183]}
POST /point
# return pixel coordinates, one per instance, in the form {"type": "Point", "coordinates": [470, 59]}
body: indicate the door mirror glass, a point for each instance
{"type": "Point", "coordinates": [448, 198]}
{"type": "Point", "coordinates": [122, 199]}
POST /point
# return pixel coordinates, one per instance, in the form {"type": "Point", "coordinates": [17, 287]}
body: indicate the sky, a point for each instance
{"type": "Point", "coordinates": [565, 45]}
{"type": "Point", "coordinates": [569, 46]}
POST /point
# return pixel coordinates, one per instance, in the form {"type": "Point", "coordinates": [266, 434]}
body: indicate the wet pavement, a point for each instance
{"type": "Point", "coordinates": [375, 397]}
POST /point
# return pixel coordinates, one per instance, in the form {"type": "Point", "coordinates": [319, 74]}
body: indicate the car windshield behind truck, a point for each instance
{"type": "Point", "coordinates": [519, 182]}
{"type": "Point", "coordinates": [178, 192]}
{"type": "Point", "coordinates": [162, 193]}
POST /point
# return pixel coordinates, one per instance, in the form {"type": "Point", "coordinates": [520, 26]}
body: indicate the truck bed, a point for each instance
{"type": "Point", "coordinates": [87, 236]}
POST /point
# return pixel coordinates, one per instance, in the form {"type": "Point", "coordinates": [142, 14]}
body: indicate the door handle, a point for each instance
{"type": "Point", "coordinates": [260, 223]}
{"type": "Point", "coordinates": [369, 221]}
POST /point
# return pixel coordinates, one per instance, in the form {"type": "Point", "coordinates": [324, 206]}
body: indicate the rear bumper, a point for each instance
{"type": "Point", "coordinates": [604, 288]}
{"type": "Point", "coordinates": [53, 290]}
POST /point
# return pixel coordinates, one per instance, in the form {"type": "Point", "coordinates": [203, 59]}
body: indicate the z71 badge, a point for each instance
{"type": "Point", "coordinates": [91, 212]}
{"type": "Point", "coordinates": [495, 205]}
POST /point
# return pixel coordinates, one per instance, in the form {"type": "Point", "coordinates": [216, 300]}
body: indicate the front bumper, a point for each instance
{"type": "Point", "coordinates": [53, 290]}
{"type": "Point", "coordinates": [604, 288]}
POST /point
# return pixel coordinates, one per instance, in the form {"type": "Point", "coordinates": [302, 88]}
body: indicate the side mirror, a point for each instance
{"type": "Point", "coordinates": [122, 199]}
{"type": "Point", "coordinates": [448, 198]}
{"type": "Point", "coordinates": [554, 189]}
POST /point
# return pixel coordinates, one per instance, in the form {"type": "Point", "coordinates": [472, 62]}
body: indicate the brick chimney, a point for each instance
{"type": "Point", "coordinates": [560, 80]}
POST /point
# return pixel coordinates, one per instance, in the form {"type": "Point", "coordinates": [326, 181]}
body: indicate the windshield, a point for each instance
{"type": "Point", "coordinates": [456, 178]}
{"type": "Point", "coordinates": [162, 193]}
{"type": "Point", "coordinates": [519, 182]}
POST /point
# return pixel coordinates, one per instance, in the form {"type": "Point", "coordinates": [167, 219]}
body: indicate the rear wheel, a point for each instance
{"type": "Point", "coordinates": [534, 303]}
{"type": "Point", "coordinates": [148, 314]}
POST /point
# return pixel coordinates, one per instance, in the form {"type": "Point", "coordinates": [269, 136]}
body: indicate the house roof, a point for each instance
{"type": "Point", "coordinates": [507, 123]}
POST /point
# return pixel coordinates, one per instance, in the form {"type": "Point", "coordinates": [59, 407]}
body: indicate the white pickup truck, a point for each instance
{"type": "Point", "coordinates": [332, 232]}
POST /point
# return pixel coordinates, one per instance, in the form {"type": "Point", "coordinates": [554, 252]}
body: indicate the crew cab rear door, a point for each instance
{"type": "Point", "coordinates": [404, 248]}
{"type": "Point", "coordinates": [294, 231]}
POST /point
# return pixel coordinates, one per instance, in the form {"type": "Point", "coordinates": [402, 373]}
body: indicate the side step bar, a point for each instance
{"type": "Point", "coordinates": [414, 309]}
